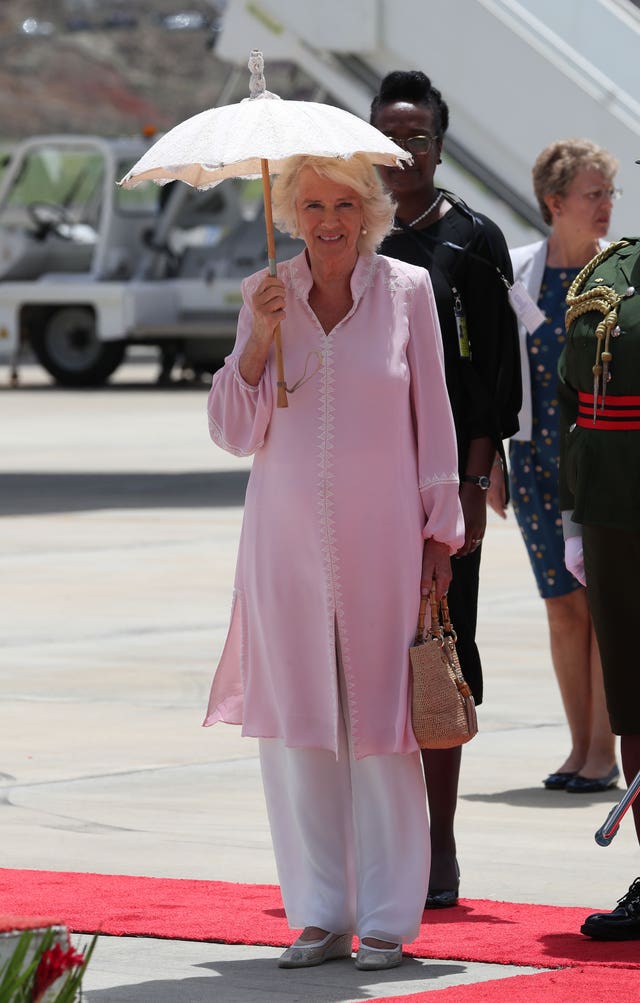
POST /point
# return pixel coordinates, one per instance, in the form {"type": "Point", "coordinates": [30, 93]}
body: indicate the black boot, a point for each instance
{"type": "Point", "coordinates": [621, 924]}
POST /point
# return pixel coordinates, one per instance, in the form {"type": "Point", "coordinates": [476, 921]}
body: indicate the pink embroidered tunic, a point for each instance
{"type": "Point", "coordinates": [346, 484]}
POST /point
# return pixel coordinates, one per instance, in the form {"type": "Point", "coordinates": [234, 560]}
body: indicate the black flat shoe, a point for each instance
{"type": "Point", "coordinates": [558, 781]}
{"type": "Point", "coordinates": [445, 899]}
{"type": "Point", "coordinates": [592, 785]}
{"type": "Point", "coordinates": [621, 924]}
{"type": "Point", "coordinates": [442, 900]}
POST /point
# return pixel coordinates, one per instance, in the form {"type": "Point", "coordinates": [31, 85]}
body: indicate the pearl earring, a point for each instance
{"type": "Point", "coordinates": [363, 231]}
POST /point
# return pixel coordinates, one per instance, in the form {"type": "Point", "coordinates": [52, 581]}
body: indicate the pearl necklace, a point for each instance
{"type": "Point", "coordinates": [422, 215]}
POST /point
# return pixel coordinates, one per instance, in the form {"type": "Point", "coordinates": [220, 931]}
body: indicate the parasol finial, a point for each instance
{"type": "Point", "coordinates": [257, 83]}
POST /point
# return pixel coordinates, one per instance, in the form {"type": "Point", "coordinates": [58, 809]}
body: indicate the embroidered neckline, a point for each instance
{"type": "Point", "coordinates": [301, 280]}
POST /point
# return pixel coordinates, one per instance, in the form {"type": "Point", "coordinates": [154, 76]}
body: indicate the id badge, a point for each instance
{"type": "Point", "coordinates": [464, 345]}
{"type": "Point", "coordinates": [527, 312]}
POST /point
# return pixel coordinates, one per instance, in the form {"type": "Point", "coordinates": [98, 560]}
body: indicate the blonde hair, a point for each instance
{"type": "Point", "coordinates": [557, 165]}
{"type": "Point", "coordinates": [358, 173]}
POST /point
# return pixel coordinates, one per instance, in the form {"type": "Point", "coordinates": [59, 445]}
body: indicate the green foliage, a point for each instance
{"type": "Point", "coordinates": [18, 976]}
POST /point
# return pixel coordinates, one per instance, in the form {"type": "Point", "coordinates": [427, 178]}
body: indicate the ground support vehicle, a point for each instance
{"type": "Point", "coordinates": [88, 268]}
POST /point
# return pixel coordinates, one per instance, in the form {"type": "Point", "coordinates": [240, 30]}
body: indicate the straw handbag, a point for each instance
{"type": "Point", "coordinates": [443, 711]}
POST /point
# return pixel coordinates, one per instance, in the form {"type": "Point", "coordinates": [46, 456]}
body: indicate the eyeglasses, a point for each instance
{"type": "Point", "coordinates": [602, 194]}
{"type": "Point", "coordinates": [415, 145]}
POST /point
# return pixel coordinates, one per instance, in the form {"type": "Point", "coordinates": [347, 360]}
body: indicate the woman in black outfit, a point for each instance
{"type": "Point", "coordinates": [468, 261]}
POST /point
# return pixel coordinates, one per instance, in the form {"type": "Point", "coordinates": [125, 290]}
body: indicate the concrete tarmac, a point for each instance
{"type": "Point", "coordinates": [119, 523]}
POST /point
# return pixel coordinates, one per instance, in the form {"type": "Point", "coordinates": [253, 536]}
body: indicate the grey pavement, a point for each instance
{"type": "Point", "coordinates": [119, 523]}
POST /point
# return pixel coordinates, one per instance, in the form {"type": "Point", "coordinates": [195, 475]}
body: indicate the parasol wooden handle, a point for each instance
{"type": "Point", "coordinates": [271, 252]}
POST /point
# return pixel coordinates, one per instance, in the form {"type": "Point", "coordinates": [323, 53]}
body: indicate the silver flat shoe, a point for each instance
{"type": "Point", "coordinates": [375, 958]}
{"type": "Point", "coordinates": [315, 952]}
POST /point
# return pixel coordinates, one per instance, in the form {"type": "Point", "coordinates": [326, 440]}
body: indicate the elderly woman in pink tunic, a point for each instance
{"type": "Point", "coordinates": [351, 508]}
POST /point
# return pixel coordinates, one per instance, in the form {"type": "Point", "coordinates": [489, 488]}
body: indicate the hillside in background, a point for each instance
{"type": "Point", "coordinates": [108, 67]}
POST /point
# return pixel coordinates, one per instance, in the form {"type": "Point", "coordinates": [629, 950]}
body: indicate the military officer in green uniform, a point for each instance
{"type": "Point", "coordinates": [599, 395]}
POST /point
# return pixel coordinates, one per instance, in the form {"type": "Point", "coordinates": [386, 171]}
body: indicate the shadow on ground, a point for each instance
{"type": "Point", "coordinates": [259, 978]}
{"type": "Point", "coordinates": [532, 797]}
{"type": "Point", "coordinates": [50, 493]}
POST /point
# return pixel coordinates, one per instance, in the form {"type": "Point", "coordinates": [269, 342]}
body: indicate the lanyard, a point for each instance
{"type": "Point", "coordinates": [419, 236]}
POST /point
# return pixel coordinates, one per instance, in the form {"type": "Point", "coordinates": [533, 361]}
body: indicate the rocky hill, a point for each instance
{"type": "Point", "coordinates": [105, 66]}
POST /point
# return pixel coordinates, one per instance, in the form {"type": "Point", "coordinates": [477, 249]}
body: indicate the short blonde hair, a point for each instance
{"type": "Point", "coordinates": [557, 165]}
{"type": "Point", "coordinates": [358, 173]}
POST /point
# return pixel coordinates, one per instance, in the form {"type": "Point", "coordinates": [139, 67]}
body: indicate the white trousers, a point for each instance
{"type": "Point", "coordinates": [350, 837]}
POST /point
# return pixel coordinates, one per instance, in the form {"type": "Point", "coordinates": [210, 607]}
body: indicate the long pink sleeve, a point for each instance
{"type": "Point", "coordinates": [435, 430]}
{"type": "Point", "coordinates": [239, 414]}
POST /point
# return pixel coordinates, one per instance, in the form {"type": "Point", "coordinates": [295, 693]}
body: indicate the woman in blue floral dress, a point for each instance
{"type": "Point", "coordinates": [573, 182]}
{"type": "Point", "coordinates": [534, 462]}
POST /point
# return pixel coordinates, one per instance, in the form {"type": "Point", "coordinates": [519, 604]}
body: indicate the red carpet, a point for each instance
{"type": "Point", "coordinates": [571, 985]}
{"type": "Point", "coordinates": [504, 933]}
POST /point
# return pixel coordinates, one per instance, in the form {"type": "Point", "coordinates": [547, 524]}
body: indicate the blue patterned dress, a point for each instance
{"type": "Point", "coordinates": [534, 464]}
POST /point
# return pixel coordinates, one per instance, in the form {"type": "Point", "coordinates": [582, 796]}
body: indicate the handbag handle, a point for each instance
{"type": "Point", "coordinates": [422, 615]}
{"type": "Point", "coordinates": [446, 619]}
{"type": "Point", "coordinates": [439, 615]}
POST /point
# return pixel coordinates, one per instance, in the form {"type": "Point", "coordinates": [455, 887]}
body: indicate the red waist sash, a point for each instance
{"type": "Point", "coordinates": [618, 413]}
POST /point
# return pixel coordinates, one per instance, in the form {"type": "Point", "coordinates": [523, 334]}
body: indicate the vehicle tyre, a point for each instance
{"type": "Point", "coordinates": [69, 349]}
